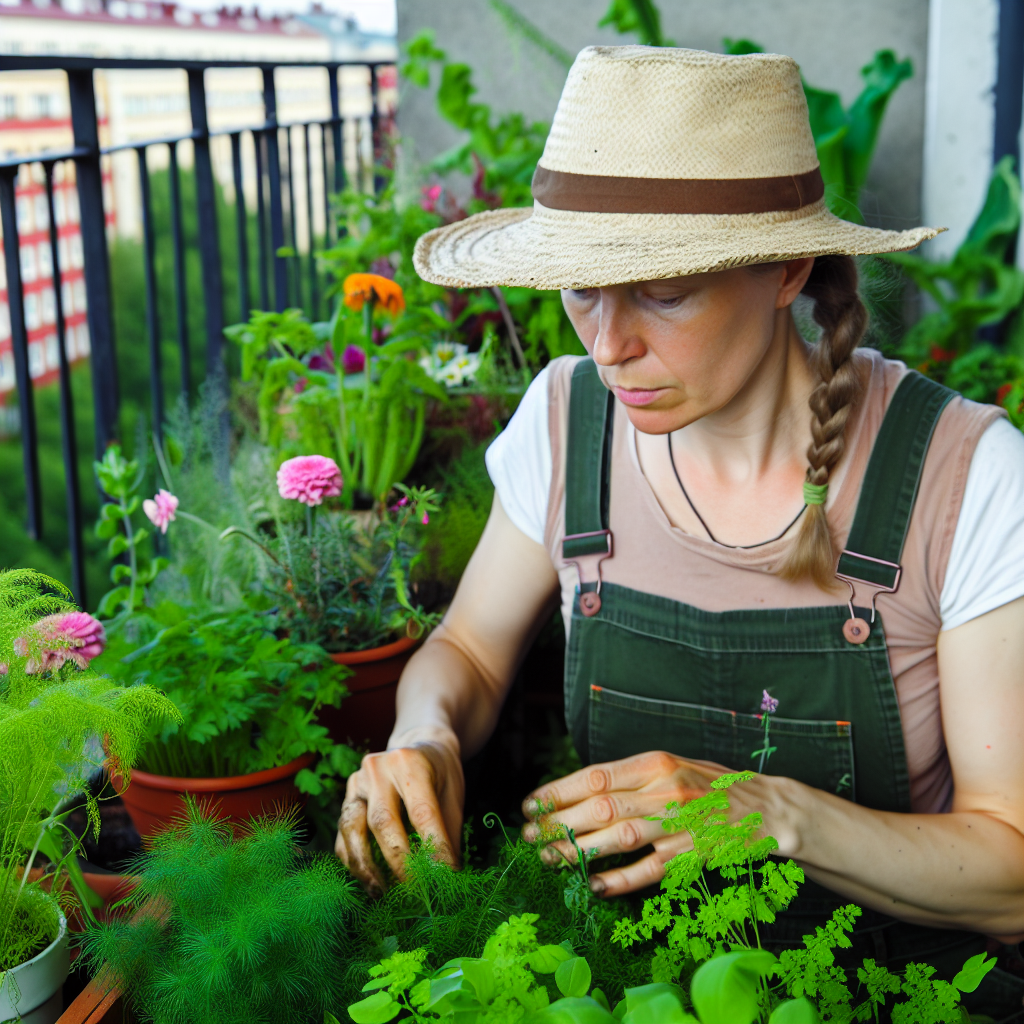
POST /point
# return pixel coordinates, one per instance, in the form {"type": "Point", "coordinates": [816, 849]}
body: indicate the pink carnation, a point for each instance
{"type": "Point", "coordinates": [74, 636]}
{"type": "Point", "coordinates": [160, 509]}
{"type": "Point", "coordinates": [309, 479]}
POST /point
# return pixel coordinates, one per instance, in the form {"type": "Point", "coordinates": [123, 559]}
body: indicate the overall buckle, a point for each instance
{"type": "Point", "coordinates": [586, 551]}
{"type": "Point", "coordinates": [855, 629]}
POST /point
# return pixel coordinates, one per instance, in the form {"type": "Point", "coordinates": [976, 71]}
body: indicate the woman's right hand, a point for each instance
{"type": "Point", "coordinates": [426, 780]}
{"type": "Point", "coordinates": [447, 705]}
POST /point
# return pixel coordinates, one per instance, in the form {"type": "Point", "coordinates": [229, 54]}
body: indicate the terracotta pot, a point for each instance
{"type": "Point", "coordinates": [367, 715]}
{"type": "Point", "coordinates": [154, 801]}
{"type": "Point", "coordinates": [31, 992]}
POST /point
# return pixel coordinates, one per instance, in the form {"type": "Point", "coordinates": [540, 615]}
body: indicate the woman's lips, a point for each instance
{"type": "Point", "coordinates": [639, 396]}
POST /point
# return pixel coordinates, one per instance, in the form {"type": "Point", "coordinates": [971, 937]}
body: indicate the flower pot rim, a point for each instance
{"type": "Point", "coordinates": [225, 784]}
{"type": "Point", "coordinates": [62, 934]}
{"type": "Point", "coordinates": [400, 646]}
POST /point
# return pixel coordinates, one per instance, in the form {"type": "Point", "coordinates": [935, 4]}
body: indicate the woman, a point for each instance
{"type": "Point", "coordinates": [717, 549]}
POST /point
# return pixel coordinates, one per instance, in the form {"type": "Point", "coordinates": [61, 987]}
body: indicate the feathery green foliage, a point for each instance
{"type": "Point", "coordinates": [49, 728]}
{"type": "Point", "coordinates": [237, 930]}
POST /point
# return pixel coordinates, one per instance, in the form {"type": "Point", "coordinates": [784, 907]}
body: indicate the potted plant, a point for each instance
{"type": "Point", "coordinates": [53, 711]}
{"type": "Point", "coordinates": [242, 927]}
{"type": "Point", "coordinates": [248, 739]}
{"type": "Point", "coordinates": [343, 583]}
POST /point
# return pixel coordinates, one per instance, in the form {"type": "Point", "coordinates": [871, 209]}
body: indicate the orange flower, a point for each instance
{"type": "Point", "coordinates": [359, 288]}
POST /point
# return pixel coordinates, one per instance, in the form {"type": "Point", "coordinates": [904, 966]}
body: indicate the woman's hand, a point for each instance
{"type": "Point", "coordinates": [607, 806]}
{"type": "Point", "coordinates": [427, 780]}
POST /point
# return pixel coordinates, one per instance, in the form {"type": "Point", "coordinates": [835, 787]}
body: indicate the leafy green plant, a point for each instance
{"type": "Point", "coordinates": [240, 930]}
{"type": "Point", "coordinates": [121, 479]}
{"type": "Point", "coordinates": [50, 721]}
{"type": "Point", "coordinates": [639, 16]}
{"type": "Point", "coordinates": [976, 287]}
{"type": "Point", "coordinates": [247, 699]}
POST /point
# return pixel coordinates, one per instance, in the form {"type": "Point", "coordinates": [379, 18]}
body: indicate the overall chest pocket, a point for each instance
{"type": "Point", "coordinates": [818, 753]}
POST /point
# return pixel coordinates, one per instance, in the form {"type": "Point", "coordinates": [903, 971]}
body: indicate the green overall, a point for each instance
{"type": "Point", "coordinates": [643, 672]}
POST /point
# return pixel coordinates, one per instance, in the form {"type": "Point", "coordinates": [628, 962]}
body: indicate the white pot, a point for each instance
{"type": "Point", "coordinates": [39, 982]}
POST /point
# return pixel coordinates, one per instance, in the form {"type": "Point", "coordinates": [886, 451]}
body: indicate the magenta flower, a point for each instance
{"type": "Point", "coordinates": [309, 479]}
{"type": "Point", "coordinates": [353, 359]}
{"type": "Point", "coordinates": [67, 636]}
{"type": "Point", "coordinates": [425, 519]}
{"type": "Point", "coordinates": [301, 384]}
{"type": "Point", "coordinates": [431, 195]}
{"type": "Point", "coordinates": [768, 703]}
{"type": "Point", "coordinates": [160, 509]}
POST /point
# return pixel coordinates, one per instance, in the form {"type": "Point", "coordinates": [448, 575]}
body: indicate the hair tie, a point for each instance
{"type": "Point", "coordinates": [815, 494]}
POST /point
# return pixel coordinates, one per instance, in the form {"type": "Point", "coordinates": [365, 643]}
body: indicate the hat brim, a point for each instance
{"type": "Point", "coordinates": [551, 249]}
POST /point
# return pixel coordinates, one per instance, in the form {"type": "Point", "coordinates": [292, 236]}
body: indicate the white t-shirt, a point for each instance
{"type": "Point", "coordinates": [986, 562]}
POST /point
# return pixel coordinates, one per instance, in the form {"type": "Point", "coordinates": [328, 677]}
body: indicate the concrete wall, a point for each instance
{"type": "Point", "coordinates": [831, 39]}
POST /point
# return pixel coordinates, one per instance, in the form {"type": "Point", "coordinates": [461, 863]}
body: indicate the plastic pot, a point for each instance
{"type": "Point", "coordinates": [38, 982]}
{"type": "Point", "coordinates": [367, 715]}
{"type": "Point", "coordinates": [154, 801]}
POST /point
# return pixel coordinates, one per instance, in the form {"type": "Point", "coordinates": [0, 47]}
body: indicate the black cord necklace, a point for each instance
{"type": "Point", "coordinates": [738, 547]}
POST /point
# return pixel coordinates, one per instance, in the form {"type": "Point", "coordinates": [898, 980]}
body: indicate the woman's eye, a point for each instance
{"type": "Point", "coordinates": [581, 293]}
{"type": "Point", "coordinates": [667, 301]}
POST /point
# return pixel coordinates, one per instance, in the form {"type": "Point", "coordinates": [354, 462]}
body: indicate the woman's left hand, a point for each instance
{"type": "Point", "coordinates": [607, 806]}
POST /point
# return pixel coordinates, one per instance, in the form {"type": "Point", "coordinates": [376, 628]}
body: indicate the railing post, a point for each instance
{"type": "Point", "coordinates": [276, 206]}
{"type": "Point", "coordinates": [89, 178]}
{"type": "Point", "coordinates": [376, 142]}
{"type": "Point", "coordinates": [209, 240]}
{"type": "Point", "coordinates": [19, 343]}
{"type": "Point", "coordinates": [337, 128]}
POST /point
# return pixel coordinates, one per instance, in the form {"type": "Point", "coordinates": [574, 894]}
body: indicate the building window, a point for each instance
{"type": "Point", "coordinates": [76, 250]}
{"type": "Point", "coordinates": [36, 359]}
{"type": "Point", "coordinates": [79, 296]}
{"type": "Point", "coordinates": [49, 306]}
{"type": "Point", "coordinates": [45, 260]}
{"type": "Point", "coordinates": [25, 225]}
{"type": "Point", "coordinates": [42, 212]}
{"type": "Point", "coordinates": [5, 322]}
{"type": "Point", "coordinates": [28, 264]}
{"type": "Point", "coordinates": [52, 352]}
{"type": "Point", "coordinates": [43, 106]}
{"type": "Point", "coordinates": [8, 107]}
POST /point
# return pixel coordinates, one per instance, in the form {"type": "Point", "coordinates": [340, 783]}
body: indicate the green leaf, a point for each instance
{"type": "Point", "coordinates": [480, 974]}
{"type": "Point", "coordinates": [140, 536]}
{"type": "Point", "coordinates": [795, 1011]}
{"type": "Point", "coordinates": [725, 989]}
{"type": "Point", "coordinates": [106, 528]}
{"type": "Point", "coordinates": [108, 605]}
{"type": "Point", "coordinates": [660, 1003]}
{"type": "Point", "coordinates": [329, 1018]}
{"type": "Point", "coordinates": [546, 959]}
{"type": "Point", "coordinates": [376, 1009]}
{"type": "Point", "coordinates": [120, 572]}
{"type": "Point", "coordinates": [969, 976]}
{"type": "Point", "coordinates": [117, 546]}
{"type": "Point", "coordinates": [573, 977]}
{"type": "Point", "coordinates": [582, 1010]}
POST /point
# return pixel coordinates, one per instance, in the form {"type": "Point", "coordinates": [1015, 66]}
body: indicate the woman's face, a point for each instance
{"type": "Point", "coordinates": [676, 350]}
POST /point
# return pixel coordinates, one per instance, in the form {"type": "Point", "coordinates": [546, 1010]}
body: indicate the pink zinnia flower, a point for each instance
{"type": "Point", "coordinates": [160, 509]}
{"type": "Point", "coordinates": [74, 636]}
{"type": "Point", "coordinates": [309, 479]}
{"type": "Point", "coordinates": [353, 359]}
{"type": "Point", "coordinates": [768, 703]}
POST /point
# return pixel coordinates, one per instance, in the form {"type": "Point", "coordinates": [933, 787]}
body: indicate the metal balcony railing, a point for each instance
{"type": "Point", "coordinates": [281, 280]}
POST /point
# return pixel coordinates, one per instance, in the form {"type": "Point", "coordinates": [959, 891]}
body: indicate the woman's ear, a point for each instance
{"type": "Point", "coordinates": [794, 277]}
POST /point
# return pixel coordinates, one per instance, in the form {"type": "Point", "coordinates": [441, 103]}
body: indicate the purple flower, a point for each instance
{"type": "Point", "coordinates": [160, 509]}
{"type": "Point", "coordinates": [309, 479]}
{"type": "Point", "coordinates": [353, 359]}
{"type": "Point", "coordinates": [768, 703]}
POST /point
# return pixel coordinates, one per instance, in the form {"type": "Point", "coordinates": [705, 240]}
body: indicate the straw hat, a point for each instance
{"type": "Point", "coordinates": [661, 162]}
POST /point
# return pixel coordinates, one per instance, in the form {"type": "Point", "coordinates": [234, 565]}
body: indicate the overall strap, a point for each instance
{"type": "Point", "coordinates": [587, 477]}
{"type": "Point", "coordinates": [880, 524]}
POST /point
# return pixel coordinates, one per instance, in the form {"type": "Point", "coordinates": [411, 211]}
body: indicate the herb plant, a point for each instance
{"type": "Point", "coordinates": [242, 930]}
{"type": "Point", "coordinates": [248, 700]}
{"type": "Point", "coordinates": [50, 721]}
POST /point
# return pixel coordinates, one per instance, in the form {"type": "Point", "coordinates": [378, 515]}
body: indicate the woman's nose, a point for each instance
{"type": "Point", "coordinates": [617, 337]}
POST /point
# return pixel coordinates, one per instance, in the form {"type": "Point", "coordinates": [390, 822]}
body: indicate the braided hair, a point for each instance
{"type": "Point", "coordinates": [843, 319]}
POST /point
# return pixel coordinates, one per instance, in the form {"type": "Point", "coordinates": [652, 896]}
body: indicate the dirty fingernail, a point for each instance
{"type": "Point", "coordinates": [531, 833]}
{"type": "Point", "coordinates": [549, 855]}
{"type": "Point", "coordinates": [597, 885]}
{"type": "Point", "coordinates": [531, 808]}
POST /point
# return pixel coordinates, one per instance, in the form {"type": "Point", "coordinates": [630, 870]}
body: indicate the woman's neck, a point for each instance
{"type": "Point", "coordinates": [743, 466]}
{"type": "Point", "coordinates": [767, 424]}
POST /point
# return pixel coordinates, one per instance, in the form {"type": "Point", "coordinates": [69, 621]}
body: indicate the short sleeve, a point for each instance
{"type": "Point", "coordinates": [519, 461]}
{"type": "Point", "coordinates": [986, 562]}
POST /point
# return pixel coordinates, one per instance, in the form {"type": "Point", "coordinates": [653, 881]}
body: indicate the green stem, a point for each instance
{"type": "Point", "coordinates": [195, 519]}
{"type": "Point", "coordinates": [132, 560]}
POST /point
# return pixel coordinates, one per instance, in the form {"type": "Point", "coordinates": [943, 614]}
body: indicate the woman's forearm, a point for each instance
{"type": "Point", "coordinates": [447, 696]}
{"type": "Point", "coordinates": [959, 870]}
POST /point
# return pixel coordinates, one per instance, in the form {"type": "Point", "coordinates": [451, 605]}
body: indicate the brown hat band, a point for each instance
{"type": "Point", "coordinates": [601, 193]}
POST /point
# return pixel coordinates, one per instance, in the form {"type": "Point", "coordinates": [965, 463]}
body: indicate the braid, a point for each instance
{"type": "Point", "coordinates": [843, 319]}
